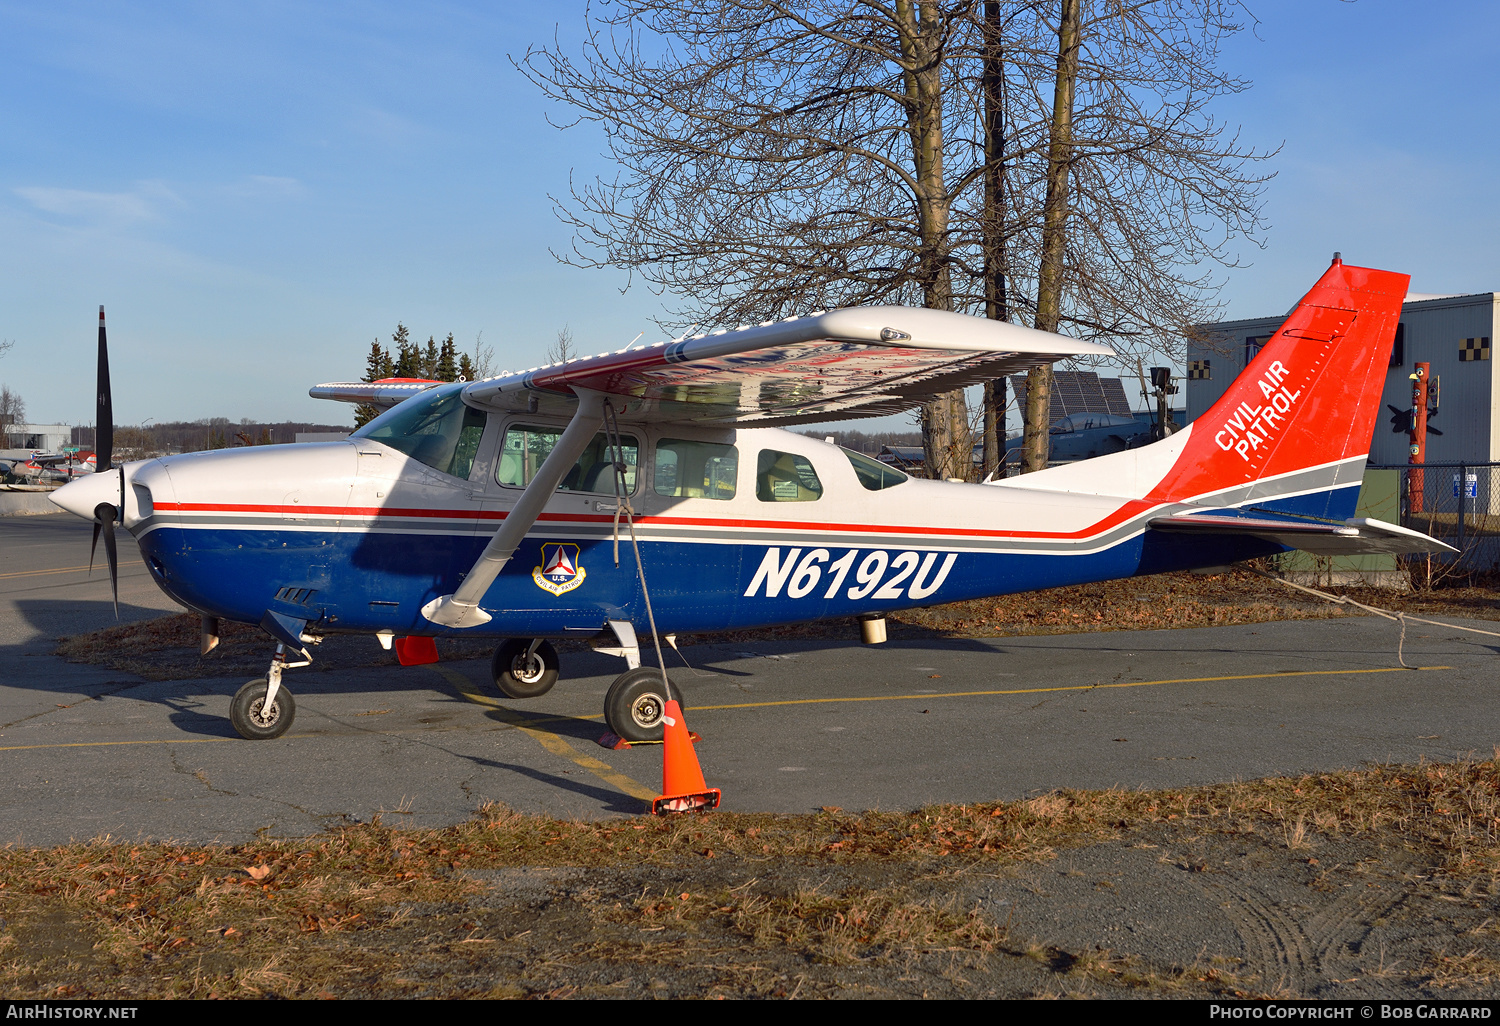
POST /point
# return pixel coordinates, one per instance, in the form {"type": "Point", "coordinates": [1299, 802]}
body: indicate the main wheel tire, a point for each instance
{"type": "Point", "coordinates": [519, 677]}
{"type": "Point", "coordinates": [634, 704]}
{"type": "Point", "coordinates": [251, 719]}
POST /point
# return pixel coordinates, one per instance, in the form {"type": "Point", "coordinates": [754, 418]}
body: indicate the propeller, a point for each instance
{"type": "Point", "coordinates": [104, 521]}
{"type": "Point", "coordinates": [105, 515]}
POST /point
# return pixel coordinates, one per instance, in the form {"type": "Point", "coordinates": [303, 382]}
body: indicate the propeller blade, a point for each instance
{"type": "Point", "coordinates": [104, 523]}
{"type": "Point", "coordinates": [104, 413]}
{"type": "Point", "coordinates": [94, 545]}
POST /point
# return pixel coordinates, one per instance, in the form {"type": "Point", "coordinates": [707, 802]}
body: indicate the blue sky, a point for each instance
{"type": "Point", "coordinates": [256, 190]}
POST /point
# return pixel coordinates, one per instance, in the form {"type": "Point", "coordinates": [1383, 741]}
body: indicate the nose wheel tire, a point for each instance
{"type": "Point", "coordinates": [635, 704]}
{"type": "Point", "coordinates": [520, 676]}
{"type": "Point", "coordinates": [252, 720]}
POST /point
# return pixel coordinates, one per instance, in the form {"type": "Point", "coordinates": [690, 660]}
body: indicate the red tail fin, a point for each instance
{"type": "Point", "coordinates": [1309, 399]}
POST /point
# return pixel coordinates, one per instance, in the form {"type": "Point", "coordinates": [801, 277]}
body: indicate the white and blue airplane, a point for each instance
{"type": "Point", "coordinates": [496, 508]}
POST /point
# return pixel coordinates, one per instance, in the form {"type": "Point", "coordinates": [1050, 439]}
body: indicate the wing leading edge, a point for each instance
{"type": "Point", "coordinates": [838, 365]}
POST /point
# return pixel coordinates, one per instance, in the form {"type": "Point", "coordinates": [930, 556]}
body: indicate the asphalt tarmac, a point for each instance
{"type": "Point", "coordinates": [787, 726]}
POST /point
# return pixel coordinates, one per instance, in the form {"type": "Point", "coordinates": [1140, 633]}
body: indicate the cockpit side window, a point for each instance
{"type": "Point", "coordinates": [786, 477]}
{"type": "Point", "coordinates": [437, 429]}
{"type": "Point", "coordinates": [526, 447]}
{"type": "Point", "coordinates": [873, 474]}
{"type": "Point", "coordinates": [695, 470]}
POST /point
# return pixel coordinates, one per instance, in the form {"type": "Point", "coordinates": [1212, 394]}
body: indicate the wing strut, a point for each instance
{"type": "Point", "coordinates": [461, 609]}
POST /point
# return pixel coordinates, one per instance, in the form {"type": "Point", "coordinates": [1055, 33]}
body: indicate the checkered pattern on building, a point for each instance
{"type": "Point", "coordinates": [1472, 349]}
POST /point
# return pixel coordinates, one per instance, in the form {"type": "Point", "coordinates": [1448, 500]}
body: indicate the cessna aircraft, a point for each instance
{"type": "Point", "coordinates": [653, 490]}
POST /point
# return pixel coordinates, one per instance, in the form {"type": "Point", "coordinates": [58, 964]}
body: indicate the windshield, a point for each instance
{"type": "Point", "coordinates": [873, 474]}
{"type": "Point", "coordinates": [434, 427]}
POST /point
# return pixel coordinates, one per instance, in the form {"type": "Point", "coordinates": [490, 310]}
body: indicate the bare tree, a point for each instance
{"type": "Point", "coordinates": [484, 359]}
{"type": "Point", "coordinates": [12, 408]}
{"type": "Point", "coordinates": [1049, 284]}
{"type": "Point", "coordinates": [777, 156]}
{"type": "Point", "coordinates": [564, 348]}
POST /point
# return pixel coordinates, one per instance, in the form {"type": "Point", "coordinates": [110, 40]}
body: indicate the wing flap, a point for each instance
{"type": "Point", "coordinates": [1356, 536]}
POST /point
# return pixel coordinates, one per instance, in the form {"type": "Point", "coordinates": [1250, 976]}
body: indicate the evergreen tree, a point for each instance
{"type": "Point", "coordinates": [465, 367]}
{"type": "Point", "coordinates": [446, 370]}
{"type": "Point", "coordinates": [408, 353]}
{"type": "Point", "coordinates": [377, 365]}
{"type": "Point", "coordinates": [430, 359]}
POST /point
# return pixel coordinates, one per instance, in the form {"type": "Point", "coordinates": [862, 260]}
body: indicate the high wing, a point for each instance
{"type": "Point", "coordinates": [836, 365]}
{"type": "Point", "coordinates": [831, 365]}
{"type": "Point", "coordinates": [1355, 536]}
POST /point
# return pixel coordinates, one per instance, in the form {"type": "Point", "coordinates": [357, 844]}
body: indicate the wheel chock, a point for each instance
{"type": "Point", "coordinates": [416, 651]}
{"type": "Point", "coordinates": [682, 784]}
{"type": "Point", "coordinates": [614, 742]}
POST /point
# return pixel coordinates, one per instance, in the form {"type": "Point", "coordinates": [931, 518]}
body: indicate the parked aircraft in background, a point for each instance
{"type": "Point", "coordinates": [43, 467]}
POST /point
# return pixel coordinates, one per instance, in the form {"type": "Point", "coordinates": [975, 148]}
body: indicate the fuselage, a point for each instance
{"type": "Point", "coordinates": [736, 528]}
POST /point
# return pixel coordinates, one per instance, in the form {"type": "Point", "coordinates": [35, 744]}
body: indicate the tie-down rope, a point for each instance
{"type": "Point", "coordinates": [1389, 614]}
{"type": "Point", "coordinates": [616, 453]}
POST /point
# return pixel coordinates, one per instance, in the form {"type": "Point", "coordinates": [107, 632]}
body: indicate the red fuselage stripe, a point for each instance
{"type": "Point", "coordinates": [1125, 512]}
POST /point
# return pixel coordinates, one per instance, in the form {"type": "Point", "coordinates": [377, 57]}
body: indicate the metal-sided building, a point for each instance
{"type": "Point", "coordinates": [1451, 333]}
{"type": "Point", "coordinates": [44, 437]}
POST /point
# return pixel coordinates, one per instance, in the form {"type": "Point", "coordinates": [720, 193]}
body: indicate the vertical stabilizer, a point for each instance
{"type": "Point", "coordinates": [1300, 418]}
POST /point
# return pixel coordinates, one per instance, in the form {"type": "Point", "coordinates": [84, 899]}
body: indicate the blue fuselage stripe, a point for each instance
{"type": "Point", "coordinates": [365, 581]}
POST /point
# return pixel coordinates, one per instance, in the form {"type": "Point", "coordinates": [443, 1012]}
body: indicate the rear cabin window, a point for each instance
{"type": "Point", "coordinates": [437, 429]}
{"type": "Point", "coordinates": [873, 474]}
{"type": "Point", "coordinates": [526, 447]}
{"type": "Point", "coordinates": [695, 470]}
{"type": "Point", "coordinates": [786, 477]}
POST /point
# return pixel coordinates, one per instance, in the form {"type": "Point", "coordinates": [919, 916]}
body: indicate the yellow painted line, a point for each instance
{"type": "Point", "coordinates": [1070, 687]}
{"type": "Point", "coordinates": [551, 742]}
{"type": "Point", "coordinates": [560, 746]}
{"type": "Point", "coordinates": [112, 744]}
{"type": "Point", "coordinates": [38, 573]}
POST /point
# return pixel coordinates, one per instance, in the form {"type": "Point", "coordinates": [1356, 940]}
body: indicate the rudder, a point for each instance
{"type": "Point", "coordinates": [1299, 420]}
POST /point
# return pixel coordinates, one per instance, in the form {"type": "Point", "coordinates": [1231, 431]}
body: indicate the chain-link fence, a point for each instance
{"type": "Point", "coordinates": [1458, 503]}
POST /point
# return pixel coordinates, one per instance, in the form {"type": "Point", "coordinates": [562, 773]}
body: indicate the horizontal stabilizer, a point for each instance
{"type": "Point", "coordinates": [1354, 537]}
{"type": "Point", "coordinates": [384, 393]}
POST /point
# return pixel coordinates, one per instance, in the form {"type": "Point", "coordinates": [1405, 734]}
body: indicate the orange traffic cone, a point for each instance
{"type": "Point", "coordinates": [416, 650]}
{"type": "Point", "coordinates": [682, 781]}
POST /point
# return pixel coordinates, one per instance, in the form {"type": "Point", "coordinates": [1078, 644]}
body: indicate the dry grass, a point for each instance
{"type": "Point", "coordinates": [855, 925]}
{"type": "Point", "coordinates": [327, 913]}
{"type": "Point", "coordinates": [1466, 970]}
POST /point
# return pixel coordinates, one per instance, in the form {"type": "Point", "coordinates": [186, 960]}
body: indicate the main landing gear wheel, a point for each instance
{"type": "Point", "coordinates": [634, 705]}
{"type": "Point", "coordinates": [253, 720]}
{"type": "Point", "coordinates": [520, 676]}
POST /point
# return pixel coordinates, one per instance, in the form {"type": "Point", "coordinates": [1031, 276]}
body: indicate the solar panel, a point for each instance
{"type": "Point", "coordinates": [1079, 392]}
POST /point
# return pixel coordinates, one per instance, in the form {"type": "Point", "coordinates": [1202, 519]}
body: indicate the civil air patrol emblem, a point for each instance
{"type": "Point", "coordinates": [560, 571]}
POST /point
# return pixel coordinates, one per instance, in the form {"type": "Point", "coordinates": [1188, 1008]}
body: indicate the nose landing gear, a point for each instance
{"type": "Point", "coordinates": [258, 720]}
{"type": "Point", "coordinates": [263, 709]}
